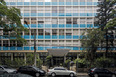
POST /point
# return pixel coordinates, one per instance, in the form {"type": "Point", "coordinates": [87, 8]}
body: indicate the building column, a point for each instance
{"type": "Point", "coordinates": [25, 58]}
{"type": "Point", "coordinates": [11, 56]}
{"type": "Point", "coordinates": [52, 61]}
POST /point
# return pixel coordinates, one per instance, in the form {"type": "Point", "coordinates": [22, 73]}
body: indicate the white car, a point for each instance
{"type": "Point", "coordinates": [61, 71]}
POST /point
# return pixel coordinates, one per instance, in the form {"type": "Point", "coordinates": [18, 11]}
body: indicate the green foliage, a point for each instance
{"type": "Point", "coordinates": [67, 62]}
{"type": "Point", "coordinates": [104, 62]}
{"type": "Point", "coordinates": [48, 60]}
{"type": "Point", "coordinates": [39, 63]}
{"type": "Point", "coordinates": [30, 59]}
{"type": "Point", "coordinates": [10, 21]}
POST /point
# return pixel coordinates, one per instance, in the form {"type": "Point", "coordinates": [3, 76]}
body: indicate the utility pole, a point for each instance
{"type": "Point", "coordinates": [34, 43]}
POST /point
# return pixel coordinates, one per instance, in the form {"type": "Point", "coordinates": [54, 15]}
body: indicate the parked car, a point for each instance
{"type": "Point", "coordinates": [6, 69]}
{"type": "Point", "coordinates": [100, 72]}
{"type": "Point", "coordinates": [60, 71]}
{"type": "Point", "coordinates": [31, 70]}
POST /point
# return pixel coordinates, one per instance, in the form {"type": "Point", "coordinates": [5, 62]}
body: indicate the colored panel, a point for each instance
{"type": "Point", "coordinates": [33, 14]}
{"type": "Point", "coordinates": [75, 25]}
{"type": "Point", "coordinates": [48, 26]}
{"type": "Point", "coordinates": [89, 14]}
{"type": "Point", "coordinates": [75, 3]}
{"type": "Point", "coordinates": [82, 3]}
{"type": "Point", "coordinates": [33, 3]}
{"type": "Point", "coordinates": [54, 25]}
{"type": "Point", "coordinates": [0, 48]}
{"type": "Point", "coordinates": [40, 37]}
{"type": "Point", "coordinates": [26, 48]}
{"type": "Point", "coordinates": [75, 48]}
{"type": "Point", "coordinates": [47, 14]}
{"type": "Point", "coordinates": [54, 14]}
{"type": "Point", "coordinates": [61, 37]}
{"type": "Point", "coordinates": [95, 3]}
{"type": "Point", "coordinates": [68, 14]}
{"type": "Point", "coordinates": [40, 14]}
{"type": "Point", "coordinates": [12, 48]}
{"type": "Point", "coordinates": [54, 3]}
{"type": "Point", "coordinates": [68, 37]}
{"type": "Point", "coordinates": [19, 48]}
{"type": "Point", "coordinates": [89, 3]}
{"type": "Point", "coordinates": [61, 26]}
{"type": "Point", "coordinates": [40, 48]}
{"type": "Point", "coordinates": [47, 37]}
{"type": "Point", "coordinates": [68, 3]}
{"type": "Point", "coordinates": [61, 47]}
{"type": "Point", "coordinates": [47, 3]}
{"type": "Point", "coordinates": [75, 14]}
{"type": "Point", "coordinates": [40, 3]}
{"type": "Point", "coordinates": [40, 25]}
{"type": "Point", "coordinates": [33, 25]}
{"type": "Point", "coordinates": [75, 37]}
{"type": "Point", "coordinates": [83, 14]}
{"type": "Point", "coordinates": [61, 3]}
{"type": "Point", "coordinates": [12, 3]}
{"type": "Point", "coordinates": [26, 14]}
{"type": "Point", "coordinates": [61, 14]}
{"type": "Point", "coordinates": [26, 37]}
{"type": "Point", "coordinates": [82, 25]}
{"type": "Point", "coordinates": [89, 25]}
{"type": "Point", "coordinates": [68, 25]}
{"type": "Point", "coordinates": [5, 48]}
{"type": "Point", "coordinates": [32, 48]}
{"type": "Point", "coordinates": [54, 37]}
{"type": "Point", "coordinates": [7, 3]}
{"type": "Point", "coordinates": [26, 3]}
{"type": "Point", "coordinates": [19, 3]}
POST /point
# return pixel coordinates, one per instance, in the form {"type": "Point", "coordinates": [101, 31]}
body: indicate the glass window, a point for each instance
{"type": "Point", "coordinates": [54, 21]}
{"type": "Point", "coordinates": [54, 0]}
{"type": "Point", "coordinates": [47, 31]}
{"type": "Point", "coordinates": [54, 9]}
{"type": "Point", "coordinates": [68, 21]}
{"type": "Point", "coordinates": [68, 9]}
{"type": "Point", "coordinates": [40, 32]}
{"type": "Point", "coordinates": [61, 0]}
{"type": "Point", "coordinates": [61, 9]}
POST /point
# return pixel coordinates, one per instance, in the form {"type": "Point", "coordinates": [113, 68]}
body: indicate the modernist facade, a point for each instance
{"type": "Point", "coordinates": [58, 24]}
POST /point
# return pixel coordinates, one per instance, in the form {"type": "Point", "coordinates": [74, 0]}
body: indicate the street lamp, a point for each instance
{"type": "Point", "coordinates": [34, 44]}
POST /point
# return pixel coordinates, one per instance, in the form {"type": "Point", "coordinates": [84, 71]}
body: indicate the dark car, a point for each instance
{"type": "Point", "coordinates": [100, 72]}
{"type": "Point", "coordinates": [31, 70]}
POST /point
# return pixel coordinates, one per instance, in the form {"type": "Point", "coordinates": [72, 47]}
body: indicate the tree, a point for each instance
{"type": "Point", "coordinates": [106, 12]}
{"type": "Point", "coordinates": [10, 22]}
{"type": "Point", "coordinates": [90, 43]}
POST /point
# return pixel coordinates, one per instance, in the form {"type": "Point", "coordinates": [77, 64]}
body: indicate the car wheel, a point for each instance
{"type": "Point", "coordinates": [95, 75]}
{"type": "Point", "coordinates": [71, 75]}
{"type": "Point", "coordinates": [113, 75]}
{"type": "Point", "coordinates": [53, 74]}
{"type": "Point", "coordinates": [37, 74]}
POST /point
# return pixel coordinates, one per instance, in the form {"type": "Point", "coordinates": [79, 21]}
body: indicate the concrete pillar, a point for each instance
{"type": "Point", "coordinates": [11, 56]}
{"type": "Point", "coordinates": [25, 58]}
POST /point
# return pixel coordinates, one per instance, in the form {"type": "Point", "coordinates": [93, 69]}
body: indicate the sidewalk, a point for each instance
{"type": "Point", "coordinates": [82, 75]}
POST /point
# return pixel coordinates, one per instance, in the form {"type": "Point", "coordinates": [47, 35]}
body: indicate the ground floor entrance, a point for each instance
{"type": "Point", "coordinates": [58, 61]}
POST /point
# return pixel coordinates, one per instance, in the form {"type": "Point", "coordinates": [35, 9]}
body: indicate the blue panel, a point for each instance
{"type": "Point", "coordinates": [82, 3]}
{"type": "Point", "coordinates": [12, 3]}
{"type": "Point", "coordinates": [47, 3]}
{"type": "Point", "coordinates": [40, 37]}
{"type": "Point", "coordinates": [32, 48]}
{"type": "Point", "coordinates": [75, 37]}
{"type": "Point", "coordinates": [33, 25]}
{"type": "Point", "coordinates": [40, 48]}
{"type": "Point", "coordinates": [81, 36]}
{"type": "Point", "coordinates": [12, 48]}
{"type": "Point", "coordinates": [33, 3]}
{"type": "Point", "coordinates": [89, 25]}
{"type": "Point", "coordinates": [40, 25]}
{"type": "Point", "coordinates": [75, 14]}
{"type": "Point", "coordinates": [26, 3]}
{"type": "Point", "coordinates": [81, 48]}
{"type": "Point", "coordinates": [48, 26]}
{"type": "Point", "coordinates": [83, 14]}
{"type": "Point", "coordinates": [47, 37]}
{"type": "Point", "coordinates": [40, 3]}
{"type": "Point", "coordinates": [54, 25]}
{"type": "Point", "coordinates": [95, 3]}
{"type": "Point", "coordinates": [26, 14]}
{"type": "Point", "coordinates": [89, 3]}
{"type": "Point", "coordinates": [89, 14]}
{"type": "Point", "coordinates": [47, 14]}
{"type": "Point", "coordinates": [75, 48]}
{"type": "Point", "coordinates": [75, 25]}
{"type": "Point", "coordinates": [54, 14]}
{"type": "Point", "coordinates": [61, 3]}
{"type": "Point", "coordinates": [54, 47]}
{"type": "Point", "coordinates": [95, 14]}
{"type": "Point", "coordinates": [68, 14]}
{"type": "Point", "coordinates": [75, 3]}
{"type": "Point", "coordinates": [26, 37]}
{"type": "Point", "coordinates": [19, 3]}
{"type": "Point", "coordinates": [68, 3]}
{"type": "Point", "coordinates": [26, 48]}
{"type": "Point", "coordinates": [54, 3]}
{"type": "Point", "coordinates": [19, 48]}
{"type": "Point", "coordinates": [47, 48]}
{"type": "Point", "coordinates": [21, 14]}
{"type": "Point", "coordinates": [82, 25]}
{"type": "Point", "coordinates": [61, 47]}
{"type": "Point", "coordinates": [61, 14]}
{"type": "Point", "coordinates": [61, 37]}
{"type": "Point", "coordinates": [7, 3]}
{"type": "Point", "coordinates": [5, 48]}
{"type": "Point", "coordinates": [25, 25]}
{"type": "Point", "coordinates": [61, 26]}
{"type": "Point", "coordinates": [40, 14]}
{"type": "Point", "coordinates": [0, 48]}
{"type": "Point", "coordinates": [54, 37]}
{"type": "Point", "coordinates": [33, 14]}
{"type": "Point", "coordinates": [68, 25]}
{"type": "Point", "coordinates": [68, 37]}
{"type": "Point", "coordinates": [0, 37]}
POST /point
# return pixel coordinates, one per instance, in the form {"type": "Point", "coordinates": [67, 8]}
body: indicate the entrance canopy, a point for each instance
{"type": "Point", "coordinates": [58, 52]}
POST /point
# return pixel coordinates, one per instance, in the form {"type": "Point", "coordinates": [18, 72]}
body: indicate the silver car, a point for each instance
{"type": "Point", "coordinates": [60, 71]}
{"type": "Point", "coordinates": [7, 69]}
